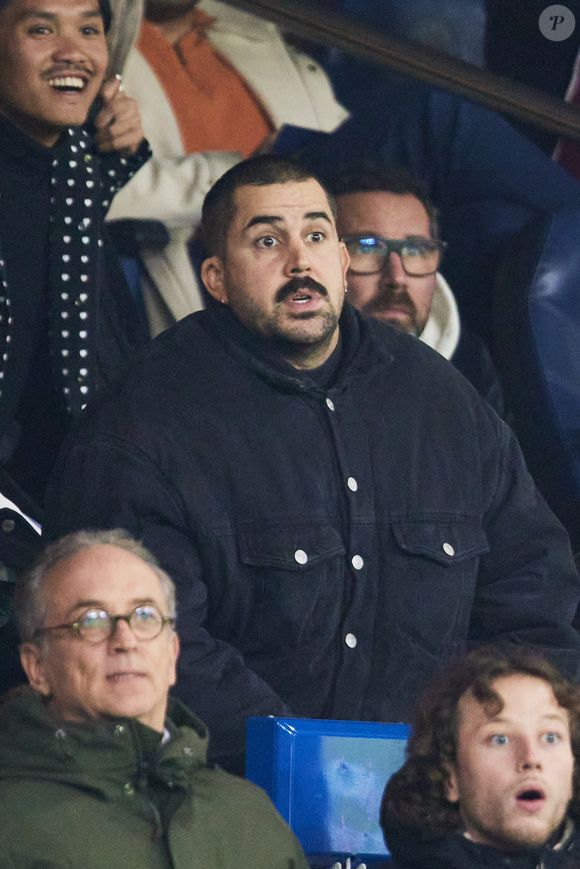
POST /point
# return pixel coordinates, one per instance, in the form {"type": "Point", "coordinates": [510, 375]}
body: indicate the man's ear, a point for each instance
{"type": "Point", "coordinates": [175, 647]}
{"type": "Point", "coordinates": [451, 785]}
{"type": "Point", "coordinates": [344, 261]}
{"type": "Point", "coordinates": [31, 659]}
{"type": "Point", "coordinates": [212, 275]}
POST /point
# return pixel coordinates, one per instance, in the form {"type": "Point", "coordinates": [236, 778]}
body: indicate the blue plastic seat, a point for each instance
{"type": "Point", "coordinates": [536, 340]}
{"type": "Point", "coordinates": [326, 778]}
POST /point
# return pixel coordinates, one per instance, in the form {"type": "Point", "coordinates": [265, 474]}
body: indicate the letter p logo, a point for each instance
{"type": "Point", "coordinates": [557, 23]}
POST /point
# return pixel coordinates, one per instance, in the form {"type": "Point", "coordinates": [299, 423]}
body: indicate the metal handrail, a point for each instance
{"type": "Point", "coordinates": [497, 92]}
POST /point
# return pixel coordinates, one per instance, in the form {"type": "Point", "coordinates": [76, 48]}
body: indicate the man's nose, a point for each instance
{"type": "Point", "coordinates": [123, 637]}
{"type": "Point", "coordinates": [298, 260]}
{"type": "Point", "coordinates": [393, 268]}
{"type": "Point", "coordinates": [67, 49]}
{"type": "Point", "coordinates": [528, 755]}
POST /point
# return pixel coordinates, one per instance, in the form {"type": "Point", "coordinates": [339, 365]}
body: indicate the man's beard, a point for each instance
{"type": "Point", "coordinates": [396, 297]}
{"type": "Point", "coordinates": [292, 338]}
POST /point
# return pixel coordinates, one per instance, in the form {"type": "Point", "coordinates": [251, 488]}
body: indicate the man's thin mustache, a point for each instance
{"type": "Point", "coordinates": [296, 284]}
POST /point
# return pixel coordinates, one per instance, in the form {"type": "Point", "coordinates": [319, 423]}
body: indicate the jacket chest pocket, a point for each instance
{"type": "Point", "coordinates": [432, 573]}
{"type": "Point", "coordinates": [296, 571]}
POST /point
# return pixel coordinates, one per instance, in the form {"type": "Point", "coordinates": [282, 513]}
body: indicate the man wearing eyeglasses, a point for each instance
{"type": "Point", "coordinates": [94, 772]}
{"type": "Point", "coordinates": [390, 229]}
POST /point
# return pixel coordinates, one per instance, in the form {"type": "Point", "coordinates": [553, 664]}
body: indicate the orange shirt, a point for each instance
{"type": "Point", "coordinates": [213, 106]}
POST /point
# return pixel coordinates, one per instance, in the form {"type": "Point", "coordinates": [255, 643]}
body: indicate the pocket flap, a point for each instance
{"type": "Point", "coordinates": [291, 547]}
{"type": "Point", "coordinates": [444, 541]}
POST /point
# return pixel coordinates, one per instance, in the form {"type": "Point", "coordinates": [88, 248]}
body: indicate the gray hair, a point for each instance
{"type": "Point", "coordinates": [29, 603]}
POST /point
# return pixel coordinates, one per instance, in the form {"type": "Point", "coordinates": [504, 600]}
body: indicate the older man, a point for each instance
{"type": "Point", "coordinates": [93, 770]}
{"type": "Point", "coordinates": [492, 777]}
{"type": "Point", "coordinates": [338, 508]}
{"type": "Point", "coordinates": [67, 322]}
{"type": "Point", "coordinates": [390, 228]}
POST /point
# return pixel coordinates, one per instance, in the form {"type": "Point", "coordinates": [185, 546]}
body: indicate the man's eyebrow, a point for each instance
{"type": "Point", "coordinates": [273, 219]}
{"type": "Point", "coordinates": [549, 716]}
{"type": "Point", "coordinates": [270, 219]}
{"type": "Point", "coordinates": [53, 16]}
{"type": "Point", "coordinates": [318, 215]}
{"type": "Point", "coordinates": [94, 604]}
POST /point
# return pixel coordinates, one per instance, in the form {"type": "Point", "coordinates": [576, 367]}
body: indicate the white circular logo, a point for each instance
{"type": "Point", "coordinates": [557, 23]}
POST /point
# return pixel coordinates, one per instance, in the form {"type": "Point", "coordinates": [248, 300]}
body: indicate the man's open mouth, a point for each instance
{"type": "Point", "coordinates": [301, 297]}
{"type": "Point", "coordinates": [300, 291]}
{"type": "Point", "coordinates": [68, 83]}
{"type": "Point", "coordinates": [530, 798]}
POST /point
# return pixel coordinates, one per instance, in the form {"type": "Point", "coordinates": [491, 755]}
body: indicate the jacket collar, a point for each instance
{"type": "Point", "coordinates": [416, 848]}
{"type": "Point", "coordinates": [23, 151]}
{"type": "Point", "coordinates": [442, 329]}
{"type": "Point", "coordinates": [35, 745]}
{"type": "Point", "coordinates": [362, 349]}
{"type": "Point", "coordinates": [243, 25]}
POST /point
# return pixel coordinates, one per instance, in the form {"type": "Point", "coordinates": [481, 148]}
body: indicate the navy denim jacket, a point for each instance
{"type": "Point", "coordinates": [331, 548]}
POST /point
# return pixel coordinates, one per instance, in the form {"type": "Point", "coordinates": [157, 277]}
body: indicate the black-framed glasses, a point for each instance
{"type": "Point", "coordinates": [419, 256]}
{"type": "Point", "coordinates": [96, 625]}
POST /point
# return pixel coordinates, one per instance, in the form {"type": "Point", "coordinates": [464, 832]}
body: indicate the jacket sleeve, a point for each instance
{"type": "Point", "coordinates": [528, 587]}
{"type": "Point", "coordinates": [172, 189]}
{"type": "Point", "coordinates": [104, 484]}
{"type": "Point", "coordinates": [290, 86]}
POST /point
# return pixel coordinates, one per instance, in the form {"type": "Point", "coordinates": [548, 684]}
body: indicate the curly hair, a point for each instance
{"type": "Point", "coordinates": [416, 794]}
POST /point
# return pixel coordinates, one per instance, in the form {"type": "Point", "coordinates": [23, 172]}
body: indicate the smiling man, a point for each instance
{"type": "Point", "coordinates": [54, 58]}
{"type": "Point", "coordinates": [67, 321]}
{"type": "Point", "coordinates": [95, 769]}
{"type": "Point", "coordinates": [338, 508]}
{"type": "Point", "coordinates": [491, 778]}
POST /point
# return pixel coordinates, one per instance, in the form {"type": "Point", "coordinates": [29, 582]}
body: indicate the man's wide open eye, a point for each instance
{"type": "Point", "coordinates": [317, 236]}
{"type": "Point", "coordinates": [266, 241]}
{"type": "Point", "coordinates": [499, 739]}
{"type": "Point", "coordinates": [551, 737]}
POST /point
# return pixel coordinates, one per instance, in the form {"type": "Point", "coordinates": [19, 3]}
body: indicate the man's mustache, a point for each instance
{"type": "Point", "coordinates": [390, 297]}
{"type": "Point", "coordinates": [296, 284]}
{"type": "Point", "coordinates": [68, 68]}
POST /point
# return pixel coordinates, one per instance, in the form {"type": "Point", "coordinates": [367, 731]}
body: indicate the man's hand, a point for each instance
{"type": "Point", "coordinates": [118, 123]}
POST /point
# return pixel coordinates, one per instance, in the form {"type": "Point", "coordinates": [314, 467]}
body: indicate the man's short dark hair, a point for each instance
{"type": "Point", "coordinates": [416, 795]}
{"type": "Point", "coordinates": [219, 208]}
{"type": "Point", "coordinates": [368, 176]}
{"type": "Point", "coordinates": [104, 4]}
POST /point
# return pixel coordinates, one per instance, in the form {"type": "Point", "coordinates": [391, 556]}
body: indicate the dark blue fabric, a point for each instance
{"type": "Point", "coordinates": [486, 179]}
{"type": "Point", "coordinates": [414, 848]}
{"type": "Point", "coordinates": [473, 359]}
{"type": "Point", "coordinates": [536, 329]}
{"type": "Point", "coordinates": [228, 465]}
